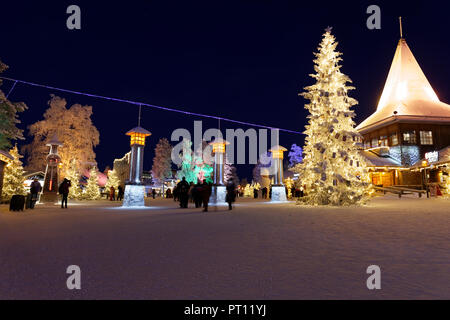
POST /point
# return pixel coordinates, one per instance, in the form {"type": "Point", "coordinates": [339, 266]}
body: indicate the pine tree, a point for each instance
{"type": "Point", "coordinates": [73, 175]}
{"type": "Point", "coordinates": [162, 162]}
{"type": "Point", "coordinates": [13, 176]}
{"type": "Point", "coordinates": [92, 191]}
{"type": "Point", "coordinates": [187, 166]}
{"type": "Point", "coordinates": [333, 168]}
{"type": "Point", "coordinates": [8, 117]}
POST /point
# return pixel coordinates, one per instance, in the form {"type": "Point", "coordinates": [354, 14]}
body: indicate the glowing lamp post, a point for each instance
{"type": "Point", "coordinates": [134, 190]}
{"type": "Point", "coordinates": [219, 190]}
{"type": "Point", "coordinates": [51, 179]}
{"type": "Point", "coordinates": [278, 189]}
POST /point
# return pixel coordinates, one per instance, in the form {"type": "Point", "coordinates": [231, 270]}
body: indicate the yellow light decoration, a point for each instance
{"type": "Point", "coordinates": [137, 136]}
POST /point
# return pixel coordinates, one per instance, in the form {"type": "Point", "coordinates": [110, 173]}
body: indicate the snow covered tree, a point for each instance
{"type": "Point", "coordinates": [113, 180]}
{"type": "Point", "coordinates": [162, 162]}
{"type": "Point", "coordinates": [73, 175]}
{"type": "Point", "coordinates": [8, 117]}
{"type": "Point", "coordinates": [92, 191]}
{"type": "Point", "coordinates": [74, 129]}
{"type": "Point", "coordinates": [122, 168]}
{"type": "Point", "coordinates": [333, 169]}
{"type": "Point", "coordinates": [13, 176]}
{"type": "Point", "coordinates": [187, 167]}
{"type": "Point", "coordinates": [295, 155]}
{"type": "Point", "coordinates": [230, 172]}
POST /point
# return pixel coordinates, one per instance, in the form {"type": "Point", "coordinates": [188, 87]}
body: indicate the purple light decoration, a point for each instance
{"type": "Point", "coordinates": [147, 105]}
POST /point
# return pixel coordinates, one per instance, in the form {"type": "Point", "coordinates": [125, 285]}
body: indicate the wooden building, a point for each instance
{"type": "Point", "coordinates": [409, 123]}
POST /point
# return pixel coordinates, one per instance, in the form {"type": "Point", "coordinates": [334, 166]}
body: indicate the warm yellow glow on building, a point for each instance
{"type": "Point", "coordinates": [277, 154]}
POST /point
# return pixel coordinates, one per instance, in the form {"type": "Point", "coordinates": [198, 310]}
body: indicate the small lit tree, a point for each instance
{"type": "Point", "coordinates": [74, 176]}
{"type": "Point", "coordinates": [13, 176]}
{"type": "Point", "coordinates": [92, 191]}
{"type": "Point", "coordinates": [113, 180]}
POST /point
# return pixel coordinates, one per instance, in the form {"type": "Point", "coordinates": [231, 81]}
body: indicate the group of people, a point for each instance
{"type": "Point", "coordinates": [200, 193]}
{"type": "Point", "coordinates": [112, 193]}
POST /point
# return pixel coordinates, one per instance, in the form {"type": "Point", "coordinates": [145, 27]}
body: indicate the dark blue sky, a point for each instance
{"type": "Point", "coordinates": [244, 60]}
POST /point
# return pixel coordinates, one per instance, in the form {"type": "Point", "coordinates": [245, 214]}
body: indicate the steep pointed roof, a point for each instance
{"type": "Point", "coordinates": [407, 95]}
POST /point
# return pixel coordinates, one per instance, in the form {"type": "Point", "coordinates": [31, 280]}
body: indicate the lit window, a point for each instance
{"type": "Point", "coordinates": [409, 137]}
{"type": "Point", "coordinates": [426, 137]}
{"type": "Point", "coordinates": [383, 141]}
{"type": "Point", "coordinates": [394, 139]}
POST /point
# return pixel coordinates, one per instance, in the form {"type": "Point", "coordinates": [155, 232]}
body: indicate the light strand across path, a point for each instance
{"type": "Point", "coordinates": [146, 105]}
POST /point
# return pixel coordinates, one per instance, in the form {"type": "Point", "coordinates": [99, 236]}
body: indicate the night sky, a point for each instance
{"type": "Point", "coordinates": [245, 60]}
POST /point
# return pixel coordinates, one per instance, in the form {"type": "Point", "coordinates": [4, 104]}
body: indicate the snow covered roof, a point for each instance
{"type": "Point", "coordinates": [138, 130]}
{"type": "Point", "coordinates": [407, 95]}
{"type": "Point", "coordinates": [277, 148]}
{"type": "Point", "coordinates": [375, 160]}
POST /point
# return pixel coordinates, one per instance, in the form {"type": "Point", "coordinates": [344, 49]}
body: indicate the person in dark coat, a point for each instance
{"type": "Point", "coordinates": [197, 195]}
{"type": "Point", "coordinates": [35, 188]}
{"type": "Point", "coordinates": [231, 194]}
{"type": "Point", "coordinates": [64, 191]}
{"type": "Point", "coordinates": [206, 193]}
{"type": "Point", "coordinates": [168, 193]}
{"type": "Point", "coordinates": [264, 193]}
{"type": "Point", "coordinates": [255, 193]}
{"type": "Point", "coordinates": [119, 193]}
{"type": "Point", "coordinates": [153, 193]}
{"type": "Point", "coordinates": [182, 190]}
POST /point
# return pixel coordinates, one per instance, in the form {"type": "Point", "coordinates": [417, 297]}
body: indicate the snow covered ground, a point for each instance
{"type": "Point", "coordinates": [257, 251]}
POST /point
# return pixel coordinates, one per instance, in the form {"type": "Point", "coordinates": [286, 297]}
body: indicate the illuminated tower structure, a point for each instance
{"type": "Point", "coordinates": [219, 190]}
{"type": "Point", "coordinates": [134, 189]}
{"type": "Point", "coordinates": [278, 189]}
{"type": "Point", "coordinates": [49, 192]}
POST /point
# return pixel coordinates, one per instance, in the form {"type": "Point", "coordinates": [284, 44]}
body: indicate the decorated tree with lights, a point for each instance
{"type": "Point", "coordinates": [230, 172]}
{"type": "Point", "coordinates": [92, 191]}
{"type": "Point", "coordinates": [162, 162]}
{"type": "Point", "coordinates": [187, 166]}
{"type": "Point", "coordinates": [73, 175]}
{"type": "Point", "coordinates": [13, 176]}
{"type": "Point", "coordinates": [74, 128]}
{"type": "Point", "coordinates": [333, 168]}
{"type": "Point", "coordinates": [113, 180]}
{"type": "Point", "coordinates": [295, 155]}
{"type": "Point", "coordinates": [203, 164]}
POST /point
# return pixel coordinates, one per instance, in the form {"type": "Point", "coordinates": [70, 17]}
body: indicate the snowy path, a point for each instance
{"type": "Point", "coordinates": [258, 251]}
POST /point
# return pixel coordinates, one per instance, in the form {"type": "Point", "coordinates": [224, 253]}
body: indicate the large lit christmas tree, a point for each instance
{"type": "Point", "coordinates": [333, 169]}
{"type": "Point", "coordinates": [13, 176]}
{"type": "Point", "coordinates": [92, 191]}
{"type": "Point", "coordinates": [74, 176]}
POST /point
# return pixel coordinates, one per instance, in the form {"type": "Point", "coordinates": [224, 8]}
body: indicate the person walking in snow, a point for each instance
{"type": "Point", "coordinates": [206, 193]}
{"type": "Point", "coordinates": [183, 189]}
{"type": "Point", "coordinates": [119, 193]}
{"type": "Point", "coordinates": [64, 191]}
{"type": "Point", "coordinates": [231, 194]}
